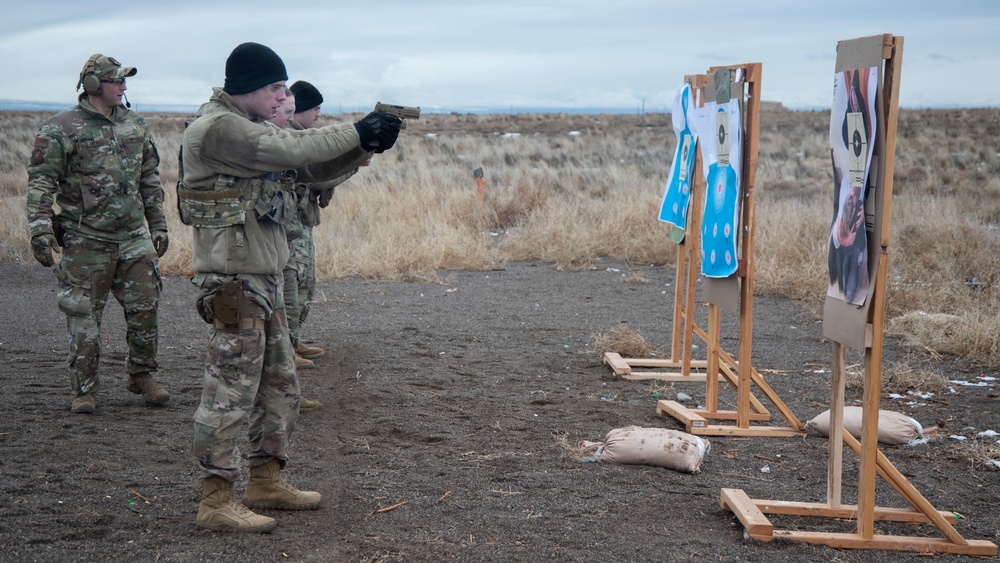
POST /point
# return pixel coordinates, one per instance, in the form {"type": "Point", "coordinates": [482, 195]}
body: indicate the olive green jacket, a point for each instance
{"type": "Point", "coordinates": [224, 150]}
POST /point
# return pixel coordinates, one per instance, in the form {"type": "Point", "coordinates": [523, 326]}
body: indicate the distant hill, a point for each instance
{"type": "Point", "coordinates": [25, 105]}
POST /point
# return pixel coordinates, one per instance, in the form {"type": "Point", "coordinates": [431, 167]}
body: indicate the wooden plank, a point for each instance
{"type": "Point", "coordinates": [666, 376]}
{"type": "Point", "coordinates": [690, 419]}
{"type": "Point", "coordinates": [714, 329]}
{"type": "Point", "coordinates": [876, 314]}
{"type": "Point", "coordinates": [888, 45]}
{"type": "Point", "coordinates": [618, 365]}
{"type": "Point", "coordinates": [846, 511]}
{"type": "Point", "coordinates": [678, 326]}
{"type": "Point", "coordinates": [693, 239]}
{"type": "Point", "coordinates": [835, 466]}
{"type": "Point", "coordinates": [732, 415]}
{"type": "Point", "coordinates": [870, 399]}
{"type": "Point", "coordinates": [897, 543]}
{"type": "Point", "coordinates": [720, 430]}
{"type": "Point", "coordinates": [893, 69]}
{"type": "Point", "coordinates": [873, 355]}
{"type": "Point", "coordinates": [658, 363]}
{"type": "Point", "coordinates": [748, 228]}
{"type": "Point", "coordinates": [754, 521]}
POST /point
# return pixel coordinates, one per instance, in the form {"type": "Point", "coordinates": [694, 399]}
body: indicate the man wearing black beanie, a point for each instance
{"type": "Point", "coordinates": [307, 99]}
{"type": "Point", "coordinates": [237, 182]}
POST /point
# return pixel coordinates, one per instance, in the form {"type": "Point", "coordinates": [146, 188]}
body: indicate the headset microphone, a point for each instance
{"type": "Point", "coordinates": [127, 105]}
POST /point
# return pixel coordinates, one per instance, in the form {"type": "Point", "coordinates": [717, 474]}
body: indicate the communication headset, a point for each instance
{"type": "Point", "coordinates": [88, 77]}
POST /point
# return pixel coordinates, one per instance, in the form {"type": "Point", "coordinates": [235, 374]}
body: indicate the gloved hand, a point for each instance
{"type": "Point", "coordinates": [325, 196]}
{"type": "Point", "coordinates": [41, 247]}
{"type": "Point", "coordinates": [378, 131]}
{"type": "Point", "coordinates": [160, 242]}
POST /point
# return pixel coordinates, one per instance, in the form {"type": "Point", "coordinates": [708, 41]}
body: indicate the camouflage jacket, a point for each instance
{"type": "Point", "coordinates": [103, 172]}
{"type": "Point", "coordinates": [225, 151]}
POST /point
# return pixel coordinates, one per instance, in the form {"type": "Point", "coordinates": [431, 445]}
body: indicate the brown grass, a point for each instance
{"type": "Point", "coordinates": [570, 189]}
{"type": "Point", "coordinates": [900, 378]}
{"type": "Point", "coordinates": [625, 340]}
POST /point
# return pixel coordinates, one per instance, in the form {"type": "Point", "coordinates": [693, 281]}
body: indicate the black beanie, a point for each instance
{"type": "Point", "coordinates": [306, 96]}
{"type": "Point", "coordinates": [251, 66]}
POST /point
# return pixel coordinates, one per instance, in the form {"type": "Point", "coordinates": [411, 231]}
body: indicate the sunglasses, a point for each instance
{"type": "Point", "coordinates": [113, 80]}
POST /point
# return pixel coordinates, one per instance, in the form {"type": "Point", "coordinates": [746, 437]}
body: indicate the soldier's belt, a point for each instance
{"type": "Point", "coordinates": [206, 195]}
{"type": "Point", "coordinates": [251, 323]}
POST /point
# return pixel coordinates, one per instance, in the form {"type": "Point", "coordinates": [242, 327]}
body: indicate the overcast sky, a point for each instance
{"type": "Point", "coordinates": [503, 54]}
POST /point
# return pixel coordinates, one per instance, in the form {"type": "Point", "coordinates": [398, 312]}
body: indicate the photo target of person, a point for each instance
{"type": "Point", "coordinates": [852, 135]}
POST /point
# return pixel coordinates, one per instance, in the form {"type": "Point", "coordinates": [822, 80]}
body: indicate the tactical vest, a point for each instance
{"type": "Point", "coordinates": [227, 201]}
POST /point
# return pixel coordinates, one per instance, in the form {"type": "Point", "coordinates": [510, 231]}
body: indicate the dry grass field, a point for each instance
{"type": "Point", "coordinates": [571, 189]}
{"type": "Point", "coordinates": [463, 335]}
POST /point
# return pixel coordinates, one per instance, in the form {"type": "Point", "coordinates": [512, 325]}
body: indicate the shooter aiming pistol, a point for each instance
{"type": "Point", "coordinates": [402, 112]}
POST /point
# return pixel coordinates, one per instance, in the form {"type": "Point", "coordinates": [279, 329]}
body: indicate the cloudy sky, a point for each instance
{"type": "Point", "coordinates": [499, 54]}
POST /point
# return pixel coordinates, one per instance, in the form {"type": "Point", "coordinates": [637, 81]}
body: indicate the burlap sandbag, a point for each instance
{"type": "Point", "coordinates": [662, 447]}
{"type": "Point", "coordinates": [894, 428]}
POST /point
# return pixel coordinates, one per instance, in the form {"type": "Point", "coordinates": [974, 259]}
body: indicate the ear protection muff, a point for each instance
{"type": "Point", "coordinates": [88, 78]}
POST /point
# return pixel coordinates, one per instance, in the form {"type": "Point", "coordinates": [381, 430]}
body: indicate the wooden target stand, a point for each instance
{"type": "Point", "coordinates": [751, 512]}
{"type": "Point", "coordinates": [684, 325]}
{"type": "Point", "coordinates": [718, 365]}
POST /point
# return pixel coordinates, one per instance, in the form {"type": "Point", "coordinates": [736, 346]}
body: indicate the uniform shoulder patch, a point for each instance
{"type": "Point", "coordinates": [38, 153]}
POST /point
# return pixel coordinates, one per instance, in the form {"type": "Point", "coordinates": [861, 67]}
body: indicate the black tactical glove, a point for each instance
{"type": "Point", "coordinates": [325, 196]}
{"type": "Point", "coordinates": [41, 247]}
{"type": "Point", "coordinates": [160, 242]}
{"type": "Point", "coordinates": [378, 131]}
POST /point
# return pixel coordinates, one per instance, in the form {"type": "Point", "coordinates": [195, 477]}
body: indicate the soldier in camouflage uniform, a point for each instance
{"type": "Point", "coordinates": [97, 161]}
{"type": "Point", "coordinates": [300, 272]}
{"type": "Point", "coordinates": [281, 120]}
{"type": "Point", "coordinates": [236, 191]}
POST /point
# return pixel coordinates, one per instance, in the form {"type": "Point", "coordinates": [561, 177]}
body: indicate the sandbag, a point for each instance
{"type": "Point", "coordinates": [661, 447]}
{"type": "Point", "coordinates": [894, 428]}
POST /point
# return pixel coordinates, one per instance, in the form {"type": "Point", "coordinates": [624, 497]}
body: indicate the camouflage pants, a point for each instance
{"type": "Point", "coordinates": [300, 282]}
{"type": "Point", "coordinates": [88, 271]}
{"type": "Point", "coordinates": [249, 376]}
{"type": "Point", "coordinates": [298, 295]}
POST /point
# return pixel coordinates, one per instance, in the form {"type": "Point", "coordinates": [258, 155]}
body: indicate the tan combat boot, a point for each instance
{"type": "Point", "coordinates": [301, 362]}
{"type": "Point", "coordinates": [266, 489]}
{"type": "Point", "coordinates": [143, 383]}
{"type": "Point", "coordinates": [306, 405]}
{"type": "Point", "coordinates": [84, 404]}
{"type": "Point", "coordinates": [309, 352]}
{"type": "Point", "coordinates": [220, 511]}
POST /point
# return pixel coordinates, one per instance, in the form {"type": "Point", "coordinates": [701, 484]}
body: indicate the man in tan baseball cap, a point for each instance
{"type": "Point", "coordinates": [101, 201]}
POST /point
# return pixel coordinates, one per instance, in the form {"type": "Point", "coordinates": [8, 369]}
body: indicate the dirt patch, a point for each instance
{"type": "Point", "coordinates": [446, 410]}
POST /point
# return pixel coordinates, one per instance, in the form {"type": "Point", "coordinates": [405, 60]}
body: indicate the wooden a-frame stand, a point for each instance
{"type": "Point", "coordinates": [719, 364]}
{"type": "Point", "coordinates": [751, 512]}
{"type": "Point", "coordinates": [684, 290]}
